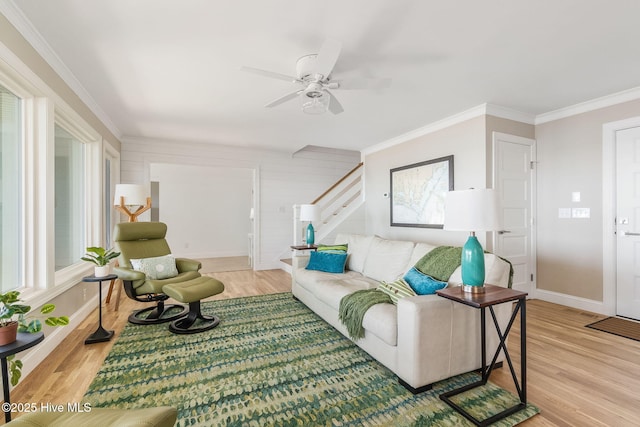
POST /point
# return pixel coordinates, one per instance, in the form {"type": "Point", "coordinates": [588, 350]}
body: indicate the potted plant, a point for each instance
{"type": "Point", "coordinates": [10, 306]}
{"type": "Point", "coordinates": [101, 257]}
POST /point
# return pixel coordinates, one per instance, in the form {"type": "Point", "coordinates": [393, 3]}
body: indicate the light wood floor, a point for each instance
{"type": "Point", "coordinates": [576, 375]}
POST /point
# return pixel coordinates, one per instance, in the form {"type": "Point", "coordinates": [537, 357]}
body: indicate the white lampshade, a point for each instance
{"type": "Point", "coordinates": [471, 210]}
{"type": "Point", "coordinates": [309, 213]}
{"type": "Point", "coordinates": [134, 194]}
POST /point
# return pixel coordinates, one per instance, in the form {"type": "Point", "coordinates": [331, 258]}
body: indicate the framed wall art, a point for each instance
{"type": "Point", "coordinates": [418, 193]}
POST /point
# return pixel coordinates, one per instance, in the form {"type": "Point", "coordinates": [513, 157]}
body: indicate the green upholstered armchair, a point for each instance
{"type": "Point", "coordinates": [143, 240]}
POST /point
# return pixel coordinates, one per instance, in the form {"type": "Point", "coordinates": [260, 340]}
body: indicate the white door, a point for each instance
{"type": "Point", "coordinates": [514, 180]}
{"type": "Point", "coordinates": [628, 223]}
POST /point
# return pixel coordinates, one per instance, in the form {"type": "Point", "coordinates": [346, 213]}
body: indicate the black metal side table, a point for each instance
{"type": "Point", "coordinates": [24, 341]}
{"type": "Point", "coordinates": [493, 295]}
{"type": "Point", "coordinates": [101, 334]}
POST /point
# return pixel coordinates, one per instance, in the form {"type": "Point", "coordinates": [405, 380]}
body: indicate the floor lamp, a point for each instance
{"type": "Point", "coordinates": [132, 200]}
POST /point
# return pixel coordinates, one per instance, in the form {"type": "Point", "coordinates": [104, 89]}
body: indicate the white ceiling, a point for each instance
{"type": "Point", "coordinates": [170, 69]}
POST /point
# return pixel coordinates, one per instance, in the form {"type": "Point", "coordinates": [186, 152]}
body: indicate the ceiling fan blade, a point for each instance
{"type": "Point", "coordinates": [363, 83]}
{"type": "Point", "coordinates": [283, 99]}
{"type": "Point", "coordinates": [334, 105]}
{"type": "Point", "coordinates": [327, 57]}
{"type": "Point", "coordinates": [270, 74]}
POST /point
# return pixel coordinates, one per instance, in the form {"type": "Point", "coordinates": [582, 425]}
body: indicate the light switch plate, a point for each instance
{"type": "Point", "coordinates": [564, 213]}
{"type": "Point", "coordinates": [575, 197]}
{"type": "Point", "coordinates": [581, 213]}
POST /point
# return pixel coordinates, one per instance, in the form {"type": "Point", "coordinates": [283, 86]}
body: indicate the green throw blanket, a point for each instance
{"type": "Point", "coordinates": [440, 263]}
{"type": "Point", "coordinates": [354, 306]}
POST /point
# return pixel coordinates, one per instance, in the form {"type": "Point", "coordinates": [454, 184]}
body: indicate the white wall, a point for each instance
{"type": "Point", "coordinates": [570, 252]}
{"type": "Point", "coordinates": [205, 208]}
{"type": "Point", "coordinates": [465, 141]}
{"type": "Point", "coordinates": [282, 181]}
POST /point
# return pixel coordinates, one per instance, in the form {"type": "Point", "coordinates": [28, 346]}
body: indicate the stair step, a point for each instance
{"type": "Point", "coordinates": [287, 261]}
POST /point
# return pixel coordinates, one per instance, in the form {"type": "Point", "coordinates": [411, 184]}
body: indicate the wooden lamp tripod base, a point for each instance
{"type": "Point", "coordinates": [133, 216]}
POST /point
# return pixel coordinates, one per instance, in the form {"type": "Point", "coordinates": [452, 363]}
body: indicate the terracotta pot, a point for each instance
{"type": "Point", "coordinates": [9, 333]}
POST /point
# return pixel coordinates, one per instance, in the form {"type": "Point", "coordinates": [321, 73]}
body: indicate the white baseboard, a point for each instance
{"type": "Point", "coordinates": [51, 340]}
{"type": "Point", "coordinates": [573, 301]}
{"type": "Point", "coordinates": [214, 254]}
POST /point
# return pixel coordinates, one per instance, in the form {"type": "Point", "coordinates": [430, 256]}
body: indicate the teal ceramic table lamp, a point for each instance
{"type": "Point", "coordinates": [309, 213]}
{"type": "Point", "coordinates": [472, 210]}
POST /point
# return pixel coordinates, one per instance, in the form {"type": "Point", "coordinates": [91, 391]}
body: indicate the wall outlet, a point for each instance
{"type": "Point", "coordinates": [84, 294]}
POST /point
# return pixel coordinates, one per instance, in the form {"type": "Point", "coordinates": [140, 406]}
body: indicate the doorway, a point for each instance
{"type": "Point", "coordinates": [627, 222]}
{"type": "Point", "coordinates": [208, 211]}
{"type": "Point", "coordinates": [621, 248]}
{"type": "Point", "coordinates": [514, 180]}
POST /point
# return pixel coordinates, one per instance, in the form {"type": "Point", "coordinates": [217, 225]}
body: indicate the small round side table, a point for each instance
{"type": "Point", "coordinates": [101, 334]}
{"type": "Point", "coordinates": [23, 342]}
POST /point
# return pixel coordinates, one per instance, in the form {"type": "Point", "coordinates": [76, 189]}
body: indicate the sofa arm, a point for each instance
{"type": "Point", "coordinates": [440, 338]}
{"type": "Point", "coordinates": [425, 326]}
{"type": "Point", "coordinates": [299, 261]}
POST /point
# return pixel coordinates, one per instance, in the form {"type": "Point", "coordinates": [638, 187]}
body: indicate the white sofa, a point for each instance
{"type": "Point", "coordinates": [425, 338]}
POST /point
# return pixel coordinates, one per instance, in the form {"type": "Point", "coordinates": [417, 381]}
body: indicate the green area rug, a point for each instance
{"type": "Point", "coordinates": [272, 361]}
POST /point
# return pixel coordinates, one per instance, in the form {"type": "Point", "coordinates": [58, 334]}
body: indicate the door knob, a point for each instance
{"type": "Point", "coordinates": [503, 231]}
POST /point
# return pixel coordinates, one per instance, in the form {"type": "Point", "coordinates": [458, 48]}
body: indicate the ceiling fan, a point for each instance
{"type": "Point", "coordinates": [313, 74]}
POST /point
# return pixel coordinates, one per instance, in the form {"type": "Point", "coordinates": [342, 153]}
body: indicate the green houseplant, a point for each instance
{"type": "Point", "coordinates": [10, 306]}
{"type": "Point", "coordinates": [101, 257]}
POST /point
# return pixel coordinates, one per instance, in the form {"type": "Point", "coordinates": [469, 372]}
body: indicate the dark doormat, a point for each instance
{"type": "Point", "coordinates": [616, 326]}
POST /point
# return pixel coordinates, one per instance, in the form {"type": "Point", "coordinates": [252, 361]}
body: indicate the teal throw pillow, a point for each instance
{"type": "Point", "coordinates": [333, 249]}
{"type": "Point", "coordinates": [161, 267]}
{"type": "Point", "coordinates": [396, 290]}
{"type": "Point", "coordinates": [423, 284]}
{"type": "Point", "coordinates": [327, 262]}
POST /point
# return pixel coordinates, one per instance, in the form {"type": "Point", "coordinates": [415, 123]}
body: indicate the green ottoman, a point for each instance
{"type": "Point", "coordinates": [191, 292]}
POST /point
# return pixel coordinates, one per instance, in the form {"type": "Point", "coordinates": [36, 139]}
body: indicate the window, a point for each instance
{"type": "Point", "coordinates": [10, 191]}
{"type": "Point", "coordinates": [69, 208]}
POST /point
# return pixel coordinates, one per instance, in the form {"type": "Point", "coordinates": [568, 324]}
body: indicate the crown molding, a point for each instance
{"type": "Point", "coordinates": [14, 15]}
{"type": "Point", "coordinates": [591, 105]}
{"type": "Point", "coordinates": [480, 110]}
{"type": "Point", "coordinates": [509, 113]}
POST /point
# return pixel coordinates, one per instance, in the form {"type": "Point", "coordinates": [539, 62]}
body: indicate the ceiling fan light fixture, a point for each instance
{"type": "Point", "coordinates": [315, 102]}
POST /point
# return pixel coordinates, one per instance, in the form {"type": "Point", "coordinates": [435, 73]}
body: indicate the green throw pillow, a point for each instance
{"type": "Point", "coordinates": [396, 290]}
{"type": "Point", "coordinates": [333, 249]}
{"type": "Point", "coordinates": [161, 267]}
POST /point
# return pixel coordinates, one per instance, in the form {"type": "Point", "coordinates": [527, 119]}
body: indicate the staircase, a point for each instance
{"type": "Point", "coordinates": [336, 204]}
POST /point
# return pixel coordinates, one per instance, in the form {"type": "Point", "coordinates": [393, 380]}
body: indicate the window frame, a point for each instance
{"type": "Point", "coordinates": [42, 108]}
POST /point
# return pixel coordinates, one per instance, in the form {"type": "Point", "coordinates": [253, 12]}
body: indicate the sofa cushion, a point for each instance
{"type": "Point", "coordinates": [331, 291]}
{"type": "Point", "coordinates": [381, 320]}
{"type": "Point", "coordinates": [420, 250]}
{"type": "Point", "coordinates": [387, 259]}
{"type": "Point", "coordinates": [327, 262]}
{"type": "Point", "coordinates": [313, 280]}
{"type": "Point", "coordinates": [358, 249]}
{"type": "Point", "coordinates": [396, 290]}
{"type": "Point", "coordinates": [423, 284]}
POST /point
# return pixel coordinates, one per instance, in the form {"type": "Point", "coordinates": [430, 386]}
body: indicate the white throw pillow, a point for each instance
{"type": "Point", "coordinates": [387, 259]}
{"type": "Point", "coordinates": [161, 267]}
{"type": "Point", "coordinates": [358, 247]}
